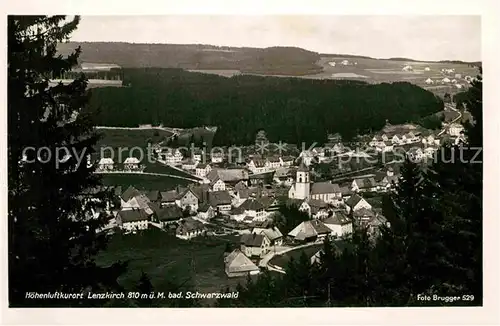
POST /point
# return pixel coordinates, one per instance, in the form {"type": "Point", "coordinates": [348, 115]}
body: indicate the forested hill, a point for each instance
{"type": "Point", "coordinates": [269, 61]}
{"type": "Point", "coordinates": [292, 110]}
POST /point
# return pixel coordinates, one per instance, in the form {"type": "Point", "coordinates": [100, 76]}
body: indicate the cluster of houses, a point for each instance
{"type": "Point", "coordinates": [107, 164]}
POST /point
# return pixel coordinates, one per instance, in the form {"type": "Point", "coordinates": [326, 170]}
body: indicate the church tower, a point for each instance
{"type": "Point", "coordinates": [302, 183]}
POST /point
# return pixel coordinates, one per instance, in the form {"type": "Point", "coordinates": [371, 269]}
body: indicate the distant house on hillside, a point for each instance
{"type": "Point", "coordinates": [131, 163]}
{"type": "Point", "coordinates": [429, 81]}
{"type": "Point", "coordinates": [345, 62]}
{"type": "Point", "coordinates": [445, 80]}
{"type": "Point", "coordinates": [427, 69]}
{"type": "Point", "coordinates": [106, 164]}
{"type": "Point", "coordinates": [332, 63]}
{"type": "Point", "coordinates": [407, 68]}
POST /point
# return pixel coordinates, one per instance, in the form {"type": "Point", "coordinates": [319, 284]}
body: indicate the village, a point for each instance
{"type": "Point", "coordinates": [244, 196]}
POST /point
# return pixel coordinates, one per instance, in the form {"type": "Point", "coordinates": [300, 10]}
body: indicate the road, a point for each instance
{"type": "Point", "coordinates": [445, 128]}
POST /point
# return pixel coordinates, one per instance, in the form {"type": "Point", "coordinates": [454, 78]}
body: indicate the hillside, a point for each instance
{"type": "Point", "coordinates": [292, 110]}
{"type": "Point", "coordinates": [270, 61]}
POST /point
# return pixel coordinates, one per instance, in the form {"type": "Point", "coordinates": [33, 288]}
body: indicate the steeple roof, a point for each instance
{"type": "Point", "coordinates": [302, 168]}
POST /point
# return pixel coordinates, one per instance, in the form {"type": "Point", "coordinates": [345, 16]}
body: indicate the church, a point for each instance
{"type": "Point", "coordinates": [303, 189]}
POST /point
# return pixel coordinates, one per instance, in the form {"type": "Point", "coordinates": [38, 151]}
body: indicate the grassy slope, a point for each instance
{"type": "Point", "coordinates": [164, 257]}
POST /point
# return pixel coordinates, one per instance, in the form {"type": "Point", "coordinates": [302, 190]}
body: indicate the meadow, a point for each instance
{"type": "Point", "coordinates": [145, 182]}
{"type": "Point", "coordinates": [199, 263]}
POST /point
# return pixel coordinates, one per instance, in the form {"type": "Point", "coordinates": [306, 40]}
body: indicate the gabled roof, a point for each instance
{"type": "Point", "coordinates": [309, 229]}
{"type": "Point", "coordinates": [366, 183]}
{"type": "Point", "coordinates": [169, 213]}
{"type": "Point", "coordinates": [258, 162]}
{"type": "Point", "coordinates": [189, 225]}
{"type": "Point", "coordinates": [240, 185]}
{"type": "Point", "coordinates": [363, 212]}
{"type": "Point", "coordinates": [130, 193]}
{"type": "Point", "coordinates": [169, 196]}
{"type": "Point", "coordinates": [252, 239]}
{"type": "Point", "coordinates": [271, 233]}
{"type": "Point", "coordinates": [324, 188]}
{"type": "Point", "coordinates": [153, 195]}
{"type": "Point", "coordinates": [252, 205]}
{"type": "Point", "coordinates": [337, 219]}
{"type": "Point", "coordinates": [353, 200]}
{"type": "Point", "coordinates": [267, 201]}
{"type": "Point", "coordinates": [106, 160]}
{"type": "Point", "coordinates": [274, 159]}
{"type": "Point", "coordinates": [219, 198]}
{"type": "Point", "coordinates": [237, 262]}
{"type": "Point", "coordinates": [302, 168]}
{"type": "Point", "coordinates": [133, 215]}
{"type": "Point", "coordinates": [204, 208]}
{"type": "Point", "coordinates": [131, 160]}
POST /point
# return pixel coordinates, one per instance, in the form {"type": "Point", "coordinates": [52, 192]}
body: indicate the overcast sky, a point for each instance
{"type": "Point", "coordinates": [417, 37]}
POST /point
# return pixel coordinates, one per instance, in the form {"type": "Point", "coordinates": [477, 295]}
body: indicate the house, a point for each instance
{"type": "Point", "coordinates": [364, 184]}
{"type": "Point", "coordinates": [238, 214]}
{"type": "Point", "coordinates": [427, 69]}
{"type": "Point", "coordinates": [197, 155]}
{"type": "Point", "coordinates": [307, 157]}
{"type": "Point", "coordinates": [429, 81]}
{"type": "Point", "coordinates": [229, 176]}
{"type": "Point", "coordinates": [273, 163]}
{"type": "Point", "coordinates": [340, 224]}
{"type": "Point", "coordinates": [346, 192]}
{"type": "Point", "coordinates": [283, 176]}
{"type": "Point", "coordinates": [308, 231]}
{"type": "Point", "coordinates": [154, 196]}
{"type": "Point", "coordinates": [132, 219]}
{"type": "Point", "coordinates": [270, 203]}
{"type": "Point", "coordinates": [254, 208]}
{"type": "Point", "coordinates": [257, 165]}
{"type": "Point", "coordinates": [416, 154]}
{"type": "Point", "coordinates": [167, 215]}
{"type": "Point", "coordinates": [217, 158]}
{"type": "Point", "coordinates": [332, 63]}
{"type": "Point", "coordinates": [131, 163]}
{"type": "Point", "coordinates": [454, 81]}
{"type": "Point", "coordinates": [375, 224]}
{"type": "Point", "coordinates": [430, 141]}
{"type": "Point", "coordinates": [106, 164]}
{"type": "Point", "coordinates": [389, 180]}
{"type": "Point", "coordinates": [206, 212]}
{"type": "Point", "coordinates": [363, 215]}
{"type": "Point", "coordinates": [240, 185]}
{"type": "Point", "coordinates": [171, 157]}
{"type": "Point", "coordinates": [458, 76]}
{"type": "Point", "coordinates": [345, 62]}
{"type": "Point", "coordinates": [189, 228]}
{"type": "Point", "coordinates": [127, 195]}
{"type": "Point", "coordinates": [273, 234]}
{"type": "Point", "coordinates": [188, 199]}
{"type": "Point", "coordinates": [238, 265]}
{"type": "Point", "coordinates": [396, 140]}
{"type": "Point", "coordinates": [287, 161]}
{"type": "Point", "coordinates": [407, 68]}
{"type": "Point", "coordinates": [216, 183]}
{"type": "Point", "coordinates": [203, 169]}
{"type": "Point", "coordinates": [169, 198]}
{"type": "Point", "coordinates": [459, 86]}
{"type": "Point", "coordinates": [356, 202]}
{"type": "Point", "coordinates": [255, 245]}
{"type": "Point", "coordinates": [326, 191]}
{"type": "Point", "coordinates": [455, 129]}
{"type": "Point", "coordinates": [189, 164]}
{"type": "Point", "coordinates": [315, 208]}
{"type": "Point", "coordinates": [445, 80]}
{"type": "Point", "coordinates": [220, 200]}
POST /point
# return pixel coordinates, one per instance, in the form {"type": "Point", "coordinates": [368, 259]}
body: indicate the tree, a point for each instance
{"type": "Point", "coordinates": [52, 239]}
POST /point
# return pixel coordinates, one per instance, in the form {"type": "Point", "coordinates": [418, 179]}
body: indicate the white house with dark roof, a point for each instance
{"type": "Point", "coordinates": [255, 245]}
{"type": "Point", "coordinates": [340, 224]}
{"type": "Point", "coordinates": [202, 169]}
{"type": "Point", "coordinates": [254, 208]}
{"type": "Point", "coordinates": [189, 164]}
{"type": "Point", "coordinates": [189, 228]}
{"type": "Point", "coordinates": [273, 234]}
{"type": "Point", "coordinates": [220, 200]}
{"type": "Point", "coordinates": [216, 183]}
{"type": "Point", "coordinates": [308, 231]}
{"type": "Point", "coordinates": [272, 163]}
{"type": "Point", "coordinates": [315, 208]}
{"type": "Point", "coordinates": [168, 215]}
{"type": "Point", "coordinates": [188, 198]}
{"type": "Point", "coordinates": [169, 197]}
{"type": "Point", "coordinates": [429, 81]}
{"type": "Point", "coordinates": [287, 161]}
{"type": "Point", "coordinates": [132, 219]}
{"type": "Point", "coordinates": [257, 165]}
{"type": "Point", "coordinates": [327, 192]}
{"type": "Point", "coordinates": [356, 202]}
{"type": "Point", "coordinates": [206, 212]}
{"type": "Point", "coordinates": [364, 184]}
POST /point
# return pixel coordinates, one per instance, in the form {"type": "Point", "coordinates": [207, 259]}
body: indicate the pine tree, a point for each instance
{"type": "Point", "coordinates": [52, 240]}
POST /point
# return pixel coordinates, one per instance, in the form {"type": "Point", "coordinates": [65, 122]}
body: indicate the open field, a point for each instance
{"type": "Point", "coordinates": [165, 258]}
{"type": "Point", "coordinates": [146, 182]}
{"type": "Point", "coordinates": [131, 138]}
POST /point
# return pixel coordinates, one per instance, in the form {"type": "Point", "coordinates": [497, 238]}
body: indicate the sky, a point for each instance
{"type": "Point", "coordinates": [417, 37]}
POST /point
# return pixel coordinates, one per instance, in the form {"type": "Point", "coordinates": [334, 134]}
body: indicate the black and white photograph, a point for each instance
{"type": "Point", "coordinates": [244, 161]}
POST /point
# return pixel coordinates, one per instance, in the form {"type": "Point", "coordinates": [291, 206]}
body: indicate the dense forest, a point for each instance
{"type": "Point", "coordinates": [289, 109]}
